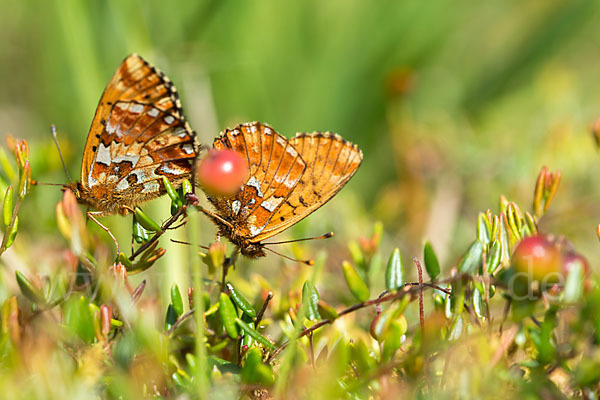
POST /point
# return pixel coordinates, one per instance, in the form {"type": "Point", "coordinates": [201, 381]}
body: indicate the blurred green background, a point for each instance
{"type": "Point", "coordinates": [452, 102]}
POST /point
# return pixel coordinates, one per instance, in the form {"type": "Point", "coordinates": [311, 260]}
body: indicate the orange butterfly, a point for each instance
{"type": "Point", "coordinates": [288, 180]}
{"type": "Point", "coordinates": [138, 135]}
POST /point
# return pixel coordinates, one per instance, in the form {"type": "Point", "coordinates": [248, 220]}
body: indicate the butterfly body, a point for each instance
{"type": "Point", "coordinates": [288, 180]}
{"type": "Point", "coordinates": [138, 135]}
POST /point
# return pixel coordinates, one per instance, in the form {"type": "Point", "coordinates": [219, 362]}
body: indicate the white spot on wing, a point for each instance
{"type": "Point", "coordinates": [103, 155]}
{"type": "Point", "coordinates": [169, 119]}
{"type": "Point", "coordinates": [132, 158]}
{"type": "Point", "coordinates": [271, 204]}
{"type": "Point", "coordinates": [292, 151]}
{"type": "Point", "coordinates": [91, 180]}
{"type": "Point", "coordinates": [255, 231]}
{"type": "Point", "coordinates": [172, 171]}
{"type": "Point", "coordinates": [256, 185]}
{"type": "Point", "coordinates": [123, 106]}
{"type": "Point", "coordinates": [110, 128]}
{"type": "Point", "coordinates": [181, 133]}
{"type": "Point", "coordinates": [123, 185]}
{"type": "Point", "coordinates": [235, 206]}
{"type": "Point", "coordinates": [188, 148]}
{"type": "Point", "coordinates": [153, 112]}
{"type": "Point", "coordinates": [281, 140]}
{"type": "Point", "coordinates": [150, 187]}
{"type": "Point", "coordinates": [290, 182]}
{"type": "Point", "coordinates": [136, 108]}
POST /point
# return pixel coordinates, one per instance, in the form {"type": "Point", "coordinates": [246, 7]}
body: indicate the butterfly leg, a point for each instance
{"type": "Point", "coordinates": [90, 215]}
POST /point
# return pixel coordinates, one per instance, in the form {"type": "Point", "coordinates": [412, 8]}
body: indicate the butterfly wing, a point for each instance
{"type": "Point", "coordinates": [138, 134]}
{"type": "Point", "coordinates": [275, 170]}
{"type": "Point", "coordinates": [331, 161]}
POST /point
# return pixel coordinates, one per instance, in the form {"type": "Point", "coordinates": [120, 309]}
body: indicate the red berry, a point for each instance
{"type": "Point", "coordinates": [538, 259]}
{"type": "Point", "coordinates": [222, 172]}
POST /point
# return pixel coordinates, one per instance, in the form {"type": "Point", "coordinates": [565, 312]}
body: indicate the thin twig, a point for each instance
{"type": "Point", "coordinates": [163, 229]}
{"type": "Point", "coordinates": [261, 313]}
{"type": "Point", "coordinates": [180, 321]}
{"type": "Point", "coordinates": [407, 290]}
{"type": "Point", "coordinates": [421, 311]}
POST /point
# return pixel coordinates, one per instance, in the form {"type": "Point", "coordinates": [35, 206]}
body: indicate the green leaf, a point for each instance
{"type": "Point", "coordinates": [310, 297]}
{"type": "Point", "coordinates": [382, 321]}
{"type": "Point", "coordinates": [7, 208]}
{"type": "Point", "coordinates": [171, 192]}
{"type": "Point", "coordinates": [431, 262]}
{"type": "Point", "coordinates": [186, 187]}
{"type": "Point", "coordinates": [471, 259]}
{"type": "Point", "coordinates": [79, 319]}
{"type": "Point", "coordinates": [493, 261]}
{"type": "Point", "coordinates": [393, 336]}
{"type": "Point", "coordinates": [247, 339]}
{"type": "Point", "coordinates": [394, 272]}
{"type": "Point", "coordinates": [357, 286]}
{"type": "Point", "coordinates": [504, 239]}
{"type": "Point", "coordinates": [171, 317]}
{"type": "Point", "coordinates": [326, 311]}
{"type": "Point", "coordinates": [140, 234]}
{"type": "Point", "coordinates": [241, 301]}
{"type": "Point", "coordinates": [123, 259]}
{"type": "Point", "coordinates": [255, 371]}
{"type": "Point", "coordinates": [146, 221]}
{"type": "Point", "coordinates": [484, 229]}
{"type": "Point", "coordinates": [25, 180]}
{"type": "Point", "coordinates": [228, 315]}
{"type": "Point", "coordinates": [176, 300]}
{"type": "Point", "coordinates": [28, 289]}
{"type": "Point", "coordinates": [13, 233]}
{"type": "Point", "coordinates": [255, 335]}
{"type": "Point", "coordinates": [531, 223]}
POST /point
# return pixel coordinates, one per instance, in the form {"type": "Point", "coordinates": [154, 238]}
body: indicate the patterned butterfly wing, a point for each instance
{"type": "Point", "coordinates": [275, 170]}
{"type": "Point", "coordinates": [331, 162]}
{"type": "Point", "coordinates": [138, 135]}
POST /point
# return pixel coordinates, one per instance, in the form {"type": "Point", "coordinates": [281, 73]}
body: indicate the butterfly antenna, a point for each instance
{"type": "Point", "coordinates": [306, 262]}
{"type": "Point", "coordinates": [188, 243]}
{"type": "Point", "coordinates": [62, 160]}
{"type": "Point", "coordinates": [325, 236]}
{"type": "Point", "coordinates": [34, 182]}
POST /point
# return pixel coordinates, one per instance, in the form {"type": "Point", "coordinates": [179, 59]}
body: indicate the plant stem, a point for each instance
{"type": "Point", "coordinates": [202, 384]}
{"type": "Point", "coordinates": [163, 229]}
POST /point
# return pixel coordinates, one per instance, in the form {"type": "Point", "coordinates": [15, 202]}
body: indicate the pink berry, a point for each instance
{"type": "Point", "coordinates": [539, 259]}
{"type": "Point", "coordinates": [222, 172]}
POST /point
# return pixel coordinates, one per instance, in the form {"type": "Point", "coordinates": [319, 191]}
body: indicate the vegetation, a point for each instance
{"type": "Point", "coordinates": [431, 287]}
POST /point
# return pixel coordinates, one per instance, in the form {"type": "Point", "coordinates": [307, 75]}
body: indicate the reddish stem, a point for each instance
{"type": "Point", "coordinates": [421, 313]}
